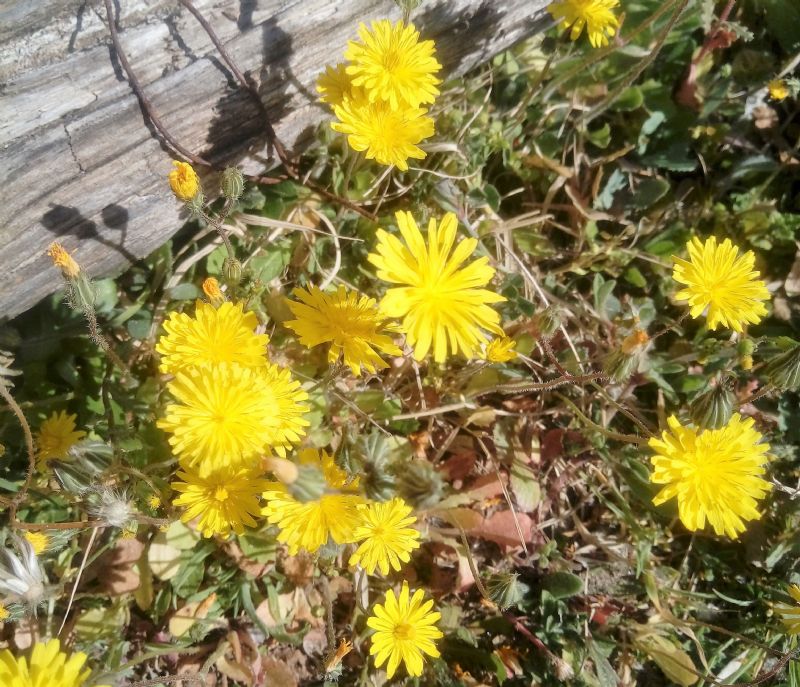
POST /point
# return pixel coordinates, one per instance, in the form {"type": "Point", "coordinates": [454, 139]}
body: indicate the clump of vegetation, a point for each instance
{"type": "Point", "coordinates": [497, 385]}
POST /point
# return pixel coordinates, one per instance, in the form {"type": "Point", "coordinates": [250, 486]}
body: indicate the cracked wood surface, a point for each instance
{"type": "Point", "coordinates": [79, 163]}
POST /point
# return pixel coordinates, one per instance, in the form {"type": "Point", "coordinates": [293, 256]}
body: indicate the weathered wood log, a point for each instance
{"type": "Point", "coordinates": [80, 163]}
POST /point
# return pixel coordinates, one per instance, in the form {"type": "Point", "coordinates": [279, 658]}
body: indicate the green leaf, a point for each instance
{"type": "Point", "coordinates": [562, 585]}
{"type": "Point", "coordinates": [184, 292]}
{"type": "Point", "coordinates": [605, 673]}
{"type": "Point", "coordinates": [649, 192]}
{"type": "Point", "coordinates": [630, 99]}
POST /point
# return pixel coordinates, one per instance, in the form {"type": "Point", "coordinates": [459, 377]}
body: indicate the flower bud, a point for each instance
{"type": "Point", "coordinates": [619, 366]}
{"type": "Point", "coordinates": [232, 183]}
{"type": "Point", "coordinates": [309, 485]}
{"type": "Point", "coordinates": [713, 408]}
{"type": "Point", "coordinates": [420, 484]}
{"type": "Point", "coordinates": [183, 181]}
{"type": "Point", "coordinates": [196, 205]}
{"type": "Point", "coordinates": [64, 261]}
{"type": "Point", "coordinates": [548, 321]}
{"type": "Point", "coordinates": [232, 271]}
{"type": "Point", "coordinates": [783, 371]}
{"type": "Point", "coordinates": [506, 590]}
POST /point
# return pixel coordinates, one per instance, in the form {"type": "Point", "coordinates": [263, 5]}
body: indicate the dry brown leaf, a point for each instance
{"type": "Point", "coordinates": [500, 528]}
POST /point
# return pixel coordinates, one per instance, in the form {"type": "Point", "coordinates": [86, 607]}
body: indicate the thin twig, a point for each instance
{"type": "Point", "coordinates": [92, 537]}
{"type": "Point", "coordinates": [630, 438]}
{"type": "Point", "coordinates": [527, 387]}
{"type": "Point", "coordinates": [26, 430]}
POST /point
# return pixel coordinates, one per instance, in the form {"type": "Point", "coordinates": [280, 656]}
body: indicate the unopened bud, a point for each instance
{"type": "Point", "coordinates": [783, 371]}
{"type": "Point", "coordinates": [232, 271]}
{"type": "Point", "coordinates": [420, 484]}
{"type": "Point", "coordinates": [619, 366]}
{"type": "Point", "coordinates": [506, 590]}
{"type": "Point", "coordinates": [548, 321]}
{"type": "Point", "coordinates": [232, 183]}
{"type": "Point", "coordinates": [196, 205]}
{"type": "Point", "coordinates": [713, 408]}
{"type": "Point", "coordinates": [310, 484]}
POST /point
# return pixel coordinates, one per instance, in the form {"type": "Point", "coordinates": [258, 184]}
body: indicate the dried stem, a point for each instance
{"type": "Point", "coordinates": [26, 429]}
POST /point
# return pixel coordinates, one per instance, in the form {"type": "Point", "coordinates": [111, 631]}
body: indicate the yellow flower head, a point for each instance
{"type": "Point", "coordinates": [717, 278]}
{"type": "Point", "coordinates": [385, 536]}
{"type": "Point", "coordinates": [4, 614]}
{"type": "Point", "coordinates": [334, 85]}
{"type": "Point", "coordinates": [393, 65]}
{"type": "Point", "coordinates": [222, 501]}
{"type": "Point", "coordinates": [389, 136]}
{"type": "Point", "coordinates": [405, 630]}
{"type": "Point", "coordinates": [778, 89]}
{"type": "Point", "coordinates": [352, 324]}
{"type": "Point", "coordinates": [715, 474]}
{"type": "Point", "coordinates": [501, 350]}
{"type": "Point", "coordinates": [226, 415]}
{"type": "Point", "coordinates": [212, 291]}
{"type": "Point", "coordinates": [213, 335]}
{"type": "Point", "coordinates": [56, 436]}
{"type": "Point", "coordinates": [183, 181]}
{"type": "Point", "coordinates": [441, 302]}
{"type": "Point", "coordinates": [790, 615]}
{"type": "Point", "coordinates": [48, 666]}
{"type": "Point", "coordinates": [39, 541]}
{"type": "Point", "coordinates": [154, 502]}
{"type": "Point", "coordinates": [308, 524]}
{"type": "Point", "coordinates": [596, 16]}
{"type": "Point", "coordinates": [63, 260]}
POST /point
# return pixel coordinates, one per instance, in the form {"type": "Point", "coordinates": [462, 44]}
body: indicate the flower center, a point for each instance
{"type": "Point", "coordinates": [403, 631]}
{"type": "Point", "coordinates": [221, 494]}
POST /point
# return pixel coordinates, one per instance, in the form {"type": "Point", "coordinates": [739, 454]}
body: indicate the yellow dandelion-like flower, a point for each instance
{"type": "Point", "coordinates": [387, 537]}
{"type": "Point", "coordinates": [226, 415]}
{"type": "Point", "coordinates": [717, 278]}
{"type": "Point", "coordinates": [405, 630]}
{"type": "Point", "coordinates": [183, 181]}
{"type": "Point", "coordinates": [334, 85]}
{"type": "Point", "coordinates": [715, 474]}
{"type": "Point", "coordinates": [501, 350]}
{"type": "Point", "coordinates": [56, 436]}
{"type": "Point", "coordinates": [388, 136]}
{"type": "Point", "coordinates": [154, 502]}
{"type": "Point", "coordinates": [4, 614]}
{"type": "Point", "coordinates": [790, 615]}
{"type": "Point", "coordinates": [596, 16]}
{"type": "Point", "coordinates": [39, 541]}
{"type": "Point", "coordinates": [393, 65]}
{"type": "Point", "coordinates": [778, 89]}
{"type": "Point", "coordinates": [309, 524]}
{"type": "Point", "coordinates": [212, 291]}
{"type": "Point", "coordinates": [441, 302]}
{"type": "Point", "coordinates": [63, 260]}
{"type": "Point", "coordinates": [48, 666]}
{"type": "Point", "coordinates": [213, 335]}
{"type": "Point", "coordinates": [352, 324]}
{"type": "Point", "coordinates": [222, 501]}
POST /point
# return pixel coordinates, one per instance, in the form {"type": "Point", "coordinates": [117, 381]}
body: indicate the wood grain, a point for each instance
{"type": "Point", "coordinates": [79, 163]}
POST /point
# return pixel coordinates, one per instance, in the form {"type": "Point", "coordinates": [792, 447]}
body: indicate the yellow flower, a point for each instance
{"type": "Point", "coordinates": [501, 350]}
{"type": "Point", "coordinates": [596, 16]}
{"type": "Point", "coordinates": [351, 323]}
{"type": "Point", "coordinates": [717, 279]}
{"type": "Point", "coordinates": [4, 614]}
{"type": "Point", "coordinates": [308, 524]}
{"type": "Point", "coordinates": [790, 615]}
{"type": "Point", "coordinates": [715, 474]}
{"type": "Point", "coordinates": [405, 630]}
{"type": "Point", "coordinates": [154, 501]}
{"type": "Point", "coordinates": [778, 89]}
{"type": "Point", "coordinates": [440, 301]}
{"type": "Point", "coordinates": [63, 260]}
{"type": "Point", "coordinates": [387, 537]}
{"type": "Point", "coordinates": [39, 541]}
{"type": "Point", "coordinates": [388, 136]}
{"type": "Point", "coordinates": [212, 291]}
{"type": "Point", "coordinates": [222, 501]}
{"type": "Point", "coordinates": [214, 335]}
{"type": "Point", "coordinates": [48, 666]}
{"type": "Point", "coordinates": [392, 65]}
{"type": "Point", "coordinates": [227, 415]}
{"type": "Point", "coordinates": [56, 436]}
{"type": "Point", "coordinates": [183, 181]}
{"type": "Point", "coordinates": [334, 85]}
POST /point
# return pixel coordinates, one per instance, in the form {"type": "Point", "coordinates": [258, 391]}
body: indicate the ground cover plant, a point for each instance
{"type": "Point", "coordinates": [496, 384]}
